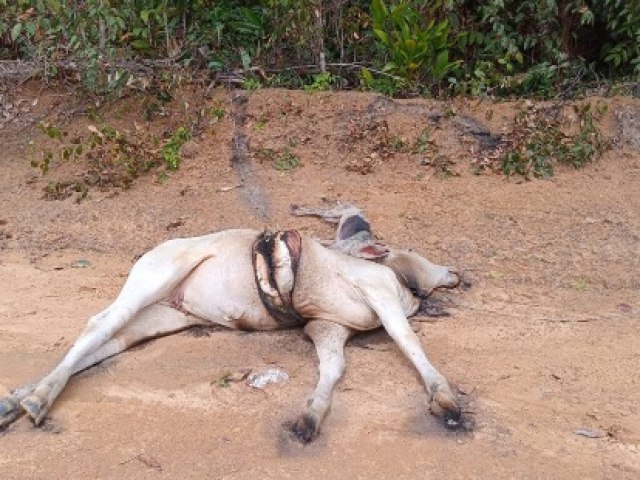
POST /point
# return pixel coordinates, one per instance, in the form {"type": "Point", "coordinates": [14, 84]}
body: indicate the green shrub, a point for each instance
{"type": "Point", "coordinates": [416, 47]}
{"type": "Point", "coordinates": [538, 141]}
{"type": "Point", "coordinates": [496, 47]}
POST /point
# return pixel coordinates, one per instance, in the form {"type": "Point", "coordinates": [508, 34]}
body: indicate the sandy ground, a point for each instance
{"type": "Point", "coordinates": [546, 342]}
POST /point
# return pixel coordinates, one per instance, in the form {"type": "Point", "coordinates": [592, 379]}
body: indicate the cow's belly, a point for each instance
{"type": "Point", "coordinates": [223, 289]}
{"type": "Point", "coordinates": [337, 301]}
{"type": "Point", "coordinates": [352, 314]}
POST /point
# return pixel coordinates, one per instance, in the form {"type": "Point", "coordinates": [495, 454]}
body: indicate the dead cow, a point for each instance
{"type": "Point", "coordinates": [249, 280]}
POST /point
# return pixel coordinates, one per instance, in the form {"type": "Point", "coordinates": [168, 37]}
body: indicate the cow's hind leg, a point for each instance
{"type": "Point", "coordinates": [151, 322]}
{"type": "Point", "coordinates": [152, 278]}
{"type": "Point", "coordinates": [329, 339]}
{"type": "Point", "coordinates": [10, 405]}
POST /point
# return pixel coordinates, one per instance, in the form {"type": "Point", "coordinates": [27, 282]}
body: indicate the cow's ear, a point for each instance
{"type": "Point", "coordinates": [372, 251]}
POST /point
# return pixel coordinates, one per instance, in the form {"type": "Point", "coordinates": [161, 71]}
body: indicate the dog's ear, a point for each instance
{"type": "Point", "coordinates": [372, 251]}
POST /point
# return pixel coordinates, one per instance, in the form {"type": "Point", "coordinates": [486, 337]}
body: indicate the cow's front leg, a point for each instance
{"type": "Point", "coordinates": [442, 401]}
{"type": "Point", "coordinates": [329, 339]}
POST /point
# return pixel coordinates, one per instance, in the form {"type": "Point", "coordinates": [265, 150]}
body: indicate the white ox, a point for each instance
{"type": "Point", "coordinates": [216, 279]}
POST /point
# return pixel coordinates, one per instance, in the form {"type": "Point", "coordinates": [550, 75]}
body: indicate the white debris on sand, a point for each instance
{"type": "Point", "coordinates": [272, 375]}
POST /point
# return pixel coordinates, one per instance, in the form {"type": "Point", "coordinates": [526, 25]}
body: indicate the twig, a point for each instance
{"type": "Point", "coordinates": [351, 66]}
{"type": "Point", "coordinates": [322, 61]}
{"type": "Point", "coordinates": [13, 68]}
{"type": "Point", "coordinates": [567, 91]}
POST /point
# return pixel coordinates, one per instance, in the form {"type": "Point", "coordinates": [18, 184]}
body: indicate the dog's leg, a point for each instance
{"type": "Point", "coordinates": [353, 233]}
{"type": "Point", "coordinates": [329, 215]}
{"type": "Point", "coordinates": [152, 278]}
{"type": "Point", "coordinates": [329, 339]}
{"type": "Point", "coordinates": [350, 219]}
{"type": "Point", "coordinates": [151, 322]}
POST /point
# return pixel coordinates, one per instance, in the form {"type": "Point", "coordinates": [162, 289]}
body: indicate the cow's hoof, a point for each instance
{"type": "Point", "coordinates": [33, 405]}
{"type": "Point", "coordinates": [445, 406]}
{"type": "Point", "coordinates": [452, 420]}
{"type": "Point", "coordinates": [7, 406]}
{"type": "Point", "coordinates": [9, 411]}
{"type": "Point", "coordinates": [305, 428]}
{"type": "Point", "coordinates": [452, 278]}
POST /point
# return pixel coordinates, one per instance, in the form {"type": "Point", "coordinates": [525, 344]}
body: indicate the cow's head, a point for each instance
{"type": "Point", "coordinates": [419, 274]}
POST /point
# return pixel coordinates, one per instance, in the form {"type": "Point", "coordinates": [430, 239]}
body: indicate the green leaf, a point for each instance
{"type": "Point", "coordinates": [216, 65]}
{"type": "Point", "coordinates": [384, 38]}
{"type": "Point", "coordinates": [246, 59]}
{"type": "Point", "coordinates": [399, 14]}
{"type": "Point", "coordinates": [410, 45]}
{"type": "Point", "coordinates": [367, 77]}
{"type": "Point", "coordinates": [442, 28]}
{"type": "Point", "coordinates": [54, 6]}
{"type": "Point", "coordinates": [404, 29]}
{"type": "Point", "coordinates": [140, 44]}
{"type": "Point", "coordinates": [390, 67]}
{"type": "Point", "coordinates": [15, 31]}
{"type": "Point", "coordinates": [442, 62]}
{"type": "Point", "coordinates": [379, 11]}
{"type": "Point", "coordinates": [31, 28]}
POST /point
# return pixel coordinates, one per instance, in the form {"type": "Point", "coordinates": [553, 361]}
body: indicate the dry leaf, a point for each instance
{"type": "Point", "coordinates": [149, 461]}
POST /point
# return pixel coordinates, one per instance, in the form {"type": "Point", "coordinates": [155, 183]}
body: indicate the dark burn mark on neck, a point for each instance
{"type": "Point", "coordinates": [280, 308]}
{"type": "Point", "coordinates": [352, 226]}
